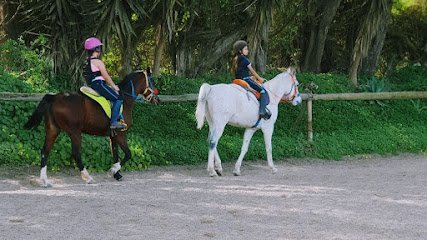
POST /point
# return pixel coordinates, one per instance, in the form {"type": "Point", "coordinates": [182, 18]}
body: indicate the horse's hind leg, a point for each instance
{"type": "Point", "coordinates": [217, 163]}
{"type": "Point", "coordinates": [246, 140]}
{"type": "Point", "coordinates": [76, 139]}
{"type": "Point", "coordinates": [215, 133]}
{"type": "Point", "coordinates": [51, 134]}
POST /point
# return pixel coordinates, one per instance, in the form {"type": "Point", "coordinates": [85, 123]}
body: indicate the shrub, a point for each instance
{"type": "Point", "coordinates": [24, 65]}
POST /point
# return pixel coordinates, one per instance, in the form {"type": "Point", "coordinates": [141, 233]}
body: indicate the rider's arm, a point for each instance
{"type": "Point", "coordinates": [105, 75]}
{"type": "Point", "coordinates": [251, 69]}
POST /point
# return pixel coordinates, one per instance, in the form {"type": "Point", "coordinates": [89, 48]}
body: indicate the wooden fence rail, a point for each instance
{"type": "Point", "coordinates": [309, 98]}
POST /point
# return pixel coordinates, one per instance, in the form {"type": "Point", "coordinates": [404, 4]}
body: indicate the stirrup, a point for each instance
{"type": "Point", "coordinates": [265, 115]}
{"type": "Point", "coordinates": [119, 126]}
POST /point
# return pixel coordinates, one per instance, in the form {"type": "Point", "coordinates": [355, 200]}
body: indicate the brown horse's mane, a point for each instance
{"type": "Point", "coordinates": [128, 78]}
{"type": "Point", "coordinates": [125, 87]}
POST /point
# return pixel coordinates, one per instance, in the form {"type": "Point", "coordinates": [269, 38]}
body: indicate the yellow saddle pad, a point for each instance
{"type": "Point", "coordinates": [105, 104]}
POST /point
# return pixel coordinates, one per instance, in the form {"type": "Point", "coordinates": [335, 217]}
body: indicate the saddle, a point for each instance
{"type": "Point", "coordinates": [105, 104]}
{"type": "Point", "coordinates": [246, 86]}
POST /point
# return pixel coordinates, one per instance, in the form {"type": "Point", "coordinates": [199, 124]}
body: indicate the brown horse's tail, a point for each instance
{"type": "Point", "coordinates": [37, 115]}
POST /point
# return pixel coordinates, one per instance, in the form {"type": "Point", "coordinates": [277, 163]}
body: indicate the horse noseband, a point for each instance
{"type": "Point", "coordinates": [150, 96]}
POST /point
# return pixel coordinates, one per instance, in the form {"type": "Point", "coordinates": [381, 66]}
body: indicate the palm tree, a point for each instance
{"type": "Point", "coordinates": [118, 17]}
{"type": "Point", "coordinates": [259, 28]}
{"type": "Point", "coordinates": [62, 22]}
{"type": "Point", "coordinates": [370, 27]}
{"type": "Point", "coordinates": [164, 22]}
{"type": "Point", "coordinates": [320, 15]}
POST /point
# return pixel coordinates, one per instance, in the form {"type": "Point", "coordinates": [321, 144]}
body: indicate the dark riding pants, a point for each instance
{"type": "Point", "coordinates": [264, 100]}
{"type": "Point", "coordinates": [104, 90]}
{"type": "Point", "coordinates": [254, 85]}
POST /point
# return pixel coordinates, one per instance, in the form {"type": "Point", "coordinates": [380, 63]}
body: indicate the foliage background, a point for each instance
{"type": "Point", "coordinates": [166, 134]}
{"type": "Point", "coordinates": [189, 43]}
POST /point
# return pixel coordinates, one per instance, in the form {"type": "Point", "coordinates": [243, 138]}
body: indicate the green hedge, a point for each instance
{"type": "Point", "coordinates": [166, 134]}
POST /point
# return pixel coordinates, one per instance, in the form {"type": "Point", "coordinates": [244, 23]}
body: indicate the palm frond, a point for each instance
{"type": "Point", "coordinates": [370, 26]}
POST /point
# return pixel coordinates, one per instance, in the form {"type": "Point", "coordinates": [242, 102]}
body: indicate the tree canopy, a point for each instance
{"type": "Point", "coordinates": [187, 38]}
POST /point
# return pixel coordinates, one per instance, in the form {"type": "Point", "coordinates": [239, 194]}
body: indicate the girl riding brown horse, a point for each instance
{"type": "Point", "coordinates": [75, 113]}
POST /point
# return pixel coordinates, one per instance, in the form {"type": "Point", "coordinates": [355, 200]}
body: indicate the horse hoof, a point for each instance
{"type": "Point", "coordinates": [90, 181]}
{"type": "Point", "coordinates": [274, 170]}
{"type": "Point", "coordinates": [118, 176]}
{"type": "Point", "coordinates": [219, 172]}
{"type": "Point", "coordinates": [46, 185]}
{"type": "Point", "coordinates": [236, 173]}
{"type": "Point", "coordinates": [213, 174]}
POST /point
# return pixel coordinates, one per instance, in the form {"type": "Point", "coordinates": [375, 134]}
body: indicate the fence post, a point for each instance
{"type": "Point", "coordinates": [310, 120]}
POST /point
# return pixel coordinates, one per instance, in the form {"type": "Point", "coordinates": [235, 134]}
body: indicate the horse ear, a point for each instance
{"type": "Point", "coordinates": [292, 70]}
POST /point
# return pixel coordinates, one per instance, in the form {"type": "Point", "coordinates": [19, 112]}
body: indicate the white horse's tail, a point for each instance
{"type": "Point", "coordinates": [201, 104]}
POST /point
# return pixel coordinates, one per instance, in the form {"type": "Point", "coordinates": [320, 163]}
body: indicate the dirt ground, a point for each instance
{"type": "Point", "coordinates": [359, 198]}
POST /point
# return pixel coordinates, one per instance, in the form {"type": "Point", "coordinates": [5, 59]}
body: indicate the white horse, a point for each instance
{"type": "Point", "coordinates": [231, 104]}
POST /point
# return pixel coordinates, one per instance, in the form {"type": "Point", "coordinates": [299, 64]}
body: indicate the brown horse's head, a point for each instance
{"type": "Point", "coordinates": [138, 84]}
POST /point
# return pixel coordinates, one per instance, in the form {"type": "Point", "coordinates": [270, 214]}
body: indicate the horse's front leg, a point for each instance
{"type": "Point", "coordinates": [115, 153]}
{"type": "Point", "coordinates": [268, 133]}
{"type": "Point", "coordinates": [245, 146]}
{"type": "Point", "coordinates": [119, 140]}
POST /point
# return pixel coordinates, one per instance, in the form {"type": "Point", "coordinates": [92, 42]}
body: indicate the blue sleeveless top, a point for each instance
{"type": "Point", "coordinates": [242, 67]}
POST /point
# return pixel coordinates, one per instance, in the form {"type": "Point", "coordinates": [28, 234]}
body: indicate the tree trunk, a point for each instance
{"type": "Point", "coordinates": [370, 62]}
{"type": "Point", "coordinates": [369, 29]}
{"type": "Point", "coordinates": [258, 35]}
{"type": "Point", "coordinates": [354, 68]}
{"type": "Point", "coordinates": [184, 60]}
{"type": "Point", "coordinates": [158, 50]}
{"type": "Point", "coordinates": [324, 12]}
{"type": "Point", "coordinates": [127, 57]}
{"type": "Point", "coordinates": [2, 20]}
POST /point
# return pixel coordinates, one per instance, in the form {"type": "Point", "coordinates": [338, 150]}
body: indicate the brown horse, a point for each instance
{"type": "Point", "coordinates": [75, 113]}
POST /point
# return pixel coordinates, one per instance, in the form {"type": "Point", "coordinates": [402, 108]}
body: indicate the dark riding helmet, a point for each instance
{"type": "Point", "coordinates": [239, 45]}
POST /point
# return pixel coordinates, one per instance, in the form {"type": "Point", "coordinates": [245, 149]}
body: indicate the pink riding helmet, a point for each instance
{"type": "Point", "coordinates": [92, 43]}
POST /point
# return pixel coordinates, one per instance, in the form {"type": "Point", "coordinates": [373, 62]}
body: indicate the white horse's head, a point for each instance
{"type": "Point", "coordinates": [287, 86]}
{"type": "Point", "coordinates": [296, 99]}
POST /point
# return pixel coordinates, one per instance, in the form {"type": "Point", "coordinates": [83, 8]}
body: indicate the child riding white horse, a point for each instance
{"type": "Point", "coordinates": [223, 104]}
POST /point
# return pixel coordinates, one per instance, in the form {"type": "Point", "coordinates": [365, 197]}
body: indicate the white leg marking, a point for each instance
{"type": "Point", "coordinates": [115, 168]}
{"type": "Point", "coordinates": [85, 176]}
{"type": "Point", "coordinates": [211, 169]}
{"type": "Point", "coordinates": [43, 177]}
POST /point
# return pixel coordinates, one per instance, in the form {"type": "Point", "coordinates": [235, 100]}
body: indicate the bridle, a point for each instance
{"type": "Point", "coordinates": [148, 89]}
{"type": "Point", "coordinates": [293, 92]}
{"type": "Point", "coordinates": [290, 96]}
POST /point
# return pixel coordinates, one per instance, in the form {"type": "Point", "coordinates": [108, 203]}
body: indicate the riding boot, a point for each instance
{"type": "Point", "coordinates": [264, 112]}
{"type": "Point", "coordinates": [115, 112]}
